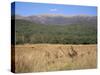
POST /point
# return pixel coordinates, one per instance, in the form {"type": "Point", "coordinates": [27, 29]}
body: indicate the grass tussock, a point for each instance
{"type": "Point", "coordinates": [53, 57]}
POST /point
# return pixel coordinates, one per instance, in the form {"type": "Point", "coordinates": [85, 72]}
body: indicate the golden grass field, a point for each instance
{"type": "Point", "coordinates": [54, 57]}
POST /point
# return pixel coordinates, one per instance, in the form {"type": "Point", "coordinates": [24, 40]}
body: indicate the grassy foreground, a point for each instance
{"type": "Point", "coordinates": [53, 57]}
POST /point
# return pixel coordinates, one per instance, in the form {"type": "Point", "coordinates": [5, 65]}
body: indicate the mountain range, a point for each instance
{"type": "Point", "coordinates": [56, 19]}
{"type": "Point", "coordinates": [56, 29]}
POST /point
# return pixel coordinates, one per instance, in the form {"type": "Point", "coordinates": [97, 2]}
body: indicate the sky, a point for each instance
{"type": "Point", "coordinates": [28, 8]}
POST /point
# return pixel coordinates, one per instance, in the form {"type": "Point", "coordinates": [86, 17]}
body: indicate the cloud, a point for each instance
{"type": "Point", "coordinates": [54, 9]}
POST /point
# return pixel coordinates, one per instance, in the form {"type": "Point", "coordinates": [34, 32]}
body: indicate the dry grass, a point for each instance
{"type": "Point", "coordinates": [52, 57]}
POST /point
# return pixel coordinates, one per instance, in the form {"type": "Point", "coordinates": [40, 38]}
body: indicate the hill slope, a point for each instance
{"type": "Point", "coordinates": [56, 19]}
{"type": "Point", "coordinates": [30, 32]}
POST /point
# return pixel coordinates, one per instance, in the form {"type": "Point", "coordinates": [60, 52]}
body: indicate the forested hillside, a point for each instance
{"type": "Point", "coordinates": [30, 32]}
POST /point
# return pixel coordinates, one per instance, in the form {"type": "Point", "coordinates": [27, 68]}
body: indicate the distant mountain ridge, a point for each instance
{"type": "Point", "coordinates": [56, 29]}
{"type": "Point", "coordinates": [56, 19]}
